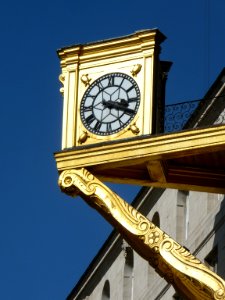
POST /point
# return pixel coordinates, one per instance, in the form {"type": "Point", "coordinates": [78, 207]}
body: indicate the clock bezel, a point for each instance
{"type": "Point", "coordinates": [123, 127]}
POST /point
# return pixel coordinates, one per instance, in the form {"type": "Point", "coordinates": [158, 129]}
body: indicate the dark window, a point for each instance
{"type": "Point", "coordinates": [156, 219]}
{"type": "Point", "coordinates": [106, 291]}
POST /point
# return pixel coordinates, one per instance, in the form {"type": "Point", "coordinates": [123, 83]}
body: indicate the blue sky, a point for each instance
{"type": "Point", "coordinates": [46, 238]}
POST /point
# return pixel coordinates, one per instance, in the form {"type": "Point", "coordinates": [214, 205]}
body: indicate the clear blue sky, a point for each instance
{"type": "Point", "coordinates": [46, 238]}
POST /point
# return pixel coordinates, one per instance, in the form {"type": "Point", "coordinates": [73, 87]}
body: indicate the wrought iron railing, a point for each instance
{"type": "Point", "coordinates": [177, 115]}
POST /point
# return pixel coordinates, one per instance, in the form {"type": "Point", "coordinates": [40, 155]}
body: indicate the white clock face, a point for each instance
{"type": "Point", "coordinates": [110, 104]}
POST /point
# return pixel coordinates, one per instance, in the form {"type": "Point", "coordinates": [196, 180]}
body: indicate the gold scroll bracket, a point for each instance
{"type": "Point", "coordinates": [191, 278]}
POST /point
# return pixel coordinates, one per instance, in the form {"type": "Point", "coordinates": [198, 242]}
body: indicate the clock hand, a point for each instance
{"type": "Point", "coordinates": [123, 102]}
{"type": "Point", "coordinates": [121, 106]}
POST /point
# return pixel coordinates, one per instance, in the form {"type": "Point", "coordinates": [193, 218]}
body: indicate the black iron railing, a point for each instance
{"type": "Point", "coordinates": [177, 115]}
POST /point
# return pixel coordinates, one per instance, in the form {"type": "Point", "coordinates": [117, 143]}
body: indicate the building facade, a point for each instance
{"type": "Point", "coordinates": [196, 220]}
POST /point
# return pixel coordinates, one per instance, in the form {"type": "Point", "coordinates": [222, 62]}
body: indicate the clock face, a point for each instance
{"type": "Point", "coordinates": [110, 104]}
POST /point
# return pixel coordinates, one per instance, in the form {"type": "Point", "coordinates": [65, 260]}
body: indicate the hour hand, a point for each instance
{"type": "Point", "coordinates": [117, 105]}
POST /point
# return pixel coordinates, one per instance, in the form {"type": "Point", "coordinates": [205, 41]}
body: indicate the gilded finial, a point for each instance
{"type": "Point", "coordinates": [136, 69]}
{"type": "Point", "coordinates": [134, 129]}
{"type": "Point", "coordinates": [83, 137]}
{"type": "Point", "coordinates": [85, 79]}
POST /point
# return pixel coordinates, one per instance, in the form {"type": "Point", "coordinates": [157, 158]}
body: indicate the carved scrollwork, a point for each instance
{"type": "Point", "coordinates": [80, 181]}
{"type": "Point", "coordinates": [62, 80]}
{"type": "Point", "coordinates": [219, 294]}
{"type": "Point", "coordinates": [172, 261]}
{"type": "Point", "coordinates": [202, 280]}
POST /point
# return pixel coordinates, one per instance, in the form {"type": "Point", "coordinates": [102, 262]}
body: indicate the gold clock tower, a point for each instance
{"type": "Point", "coordinates": [112, 89]}
{"type": "Point", "coordinates": [113, 106]}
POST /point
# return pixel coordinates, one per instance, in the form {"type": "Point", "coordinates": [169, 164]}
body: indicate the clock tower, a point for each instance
{"type": "Point", "coordinates": [113, 105]}
{"type": "Point", "coordinates": [112, 89]}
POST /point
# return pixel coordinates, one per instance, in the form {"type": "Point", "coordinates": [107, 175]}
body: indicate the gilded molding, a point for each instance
{"type": "Point", "coordinates": [141, 41]}
{"type": "Point", "coordinates": [186, 273]}
{"type": "Point", "coordinates": [146, 161]}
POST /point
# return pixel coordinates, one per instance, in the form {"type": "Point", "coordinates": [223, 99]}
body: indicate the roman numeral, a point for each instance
{"type": "Point", "coordinates": [100, 86]}
{"type": "Point", "coordinates": [97, 125]}
{"type": "Point", "coordinates": [87, 108]}
{"type": "Point", "coordinates": [121, 123]}
{"type": "Point", "coordinates": [130, 88]}
{"type": "Point", "coordinates": [129, 113]}
{"type": "Point", "coordinates": [109, 127]}
{"type": "Point", "coordinates": [90, 119]}
{"type": "Point", "coordinates": [121, 83]}
{"type": "Point", "coordinates": [111, 81]}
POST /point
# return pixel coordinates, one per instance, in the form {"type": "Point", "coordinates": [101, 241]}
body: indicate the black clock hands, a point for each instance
{"type": "Point", "coordinates": [118, 105]}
